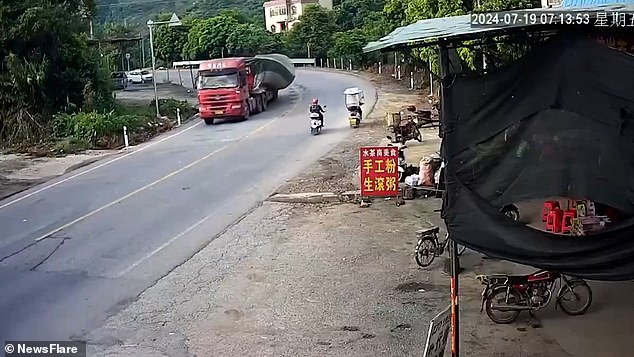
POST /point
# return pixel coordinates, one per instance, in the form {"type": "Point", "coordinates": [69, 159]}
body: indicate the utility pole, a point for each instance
{"type": "Point", "coordinates": [143, 51]}
{"type": "Point", "coordinates": [174, 21]}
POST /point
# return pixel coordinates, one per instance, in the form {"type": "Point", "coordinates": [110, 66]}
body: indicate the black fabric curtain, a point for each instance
{"type": "Point", "coordinates": [557, 123]}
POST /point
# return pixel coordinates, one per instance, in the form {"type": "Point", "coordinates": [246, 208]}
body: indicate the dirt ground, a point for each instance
{"type": "Point", "coordinates": [316, 280]}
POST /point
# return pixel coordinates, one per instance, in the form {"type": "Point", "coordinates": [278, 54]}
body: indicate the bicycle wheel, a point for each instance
{"type": "Point", "coordinates": [425, 251]}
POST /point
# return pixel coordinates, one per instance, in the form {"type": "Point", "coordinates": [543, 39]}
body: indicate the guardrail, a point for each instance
{"type": "Point", "coordinates": [296, 61]}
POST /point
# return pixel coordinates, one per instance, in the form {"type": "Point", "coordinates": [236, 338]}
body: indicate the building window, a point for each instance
{"type": "Point", "coordinates": [272, 28]}
{"type": "Point", "coordinates": [293, 10]}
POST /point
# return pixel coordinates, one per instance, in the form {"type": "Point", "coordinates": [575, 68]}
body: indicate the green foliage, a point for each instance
{"type": "Point", "coordinates": [136, 13]}
{"type": "Point", "coordinates": [208, 38]}
{"type": "Point", "coordinates": [315, 29]}
{"type": "Point", "coordinates": [169, 42]}
{"type": "Point", "coordinates": [94, 128]}
{"type": "Point", "coordinates": [46, 66]}
{"type": "Point", "coordinates": [250, 39]}
{"type": "Point", "coordinates": [168, 108]}
{"type": "Point", "coordinates": [348, 44]}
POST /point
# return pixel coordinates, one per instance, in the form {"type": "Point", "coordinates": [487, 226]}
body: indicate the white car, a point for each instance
{"type": "Point", "coordinates": [140, 76]}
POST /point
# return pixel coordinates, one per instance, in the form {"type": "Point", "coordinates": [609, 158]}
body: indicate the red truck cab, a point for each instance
{"type": "Point", "coordinates": [224, 88]}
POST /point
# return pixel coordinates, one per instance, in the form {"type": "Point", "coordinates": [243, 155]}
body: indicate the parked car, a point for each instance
{"type": "Point", "coordinates": [119, 80]}
{"type": "Point", "coordinates": [140, 76]}
{"type": "Point", "coordinates": [147, 76]}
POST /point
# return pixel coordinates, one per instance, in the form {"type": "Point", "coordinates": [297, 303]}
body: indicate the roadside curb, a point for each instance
{"type": "Point", "coordinates": [315, 197]}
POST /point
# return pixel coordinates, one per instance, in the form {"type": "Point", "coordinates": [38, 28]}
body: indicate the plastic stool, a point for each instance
{"type": "Point", "coordinates": [553, 220]}
{"type": "Point", "coordinates": [566, 220]}
{"type": "Point", "coordinates": [548, 206]}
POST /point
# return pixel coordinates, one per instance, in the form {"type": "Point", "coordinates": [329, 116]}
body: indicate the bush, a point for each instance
{"type": "Point", "coordinates": [94, 128]}
{"type": "Point", "coordinates": [168, 107]}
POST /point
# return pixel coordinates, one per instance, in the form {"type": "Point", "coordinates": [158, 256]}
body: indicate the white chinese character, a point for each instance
{"type": "Point", "coordinates": [386, 152]}
{"type": "Point", "coordinates": [365, 153]}
{"type": "Point", "coordinates": [392, 152]}
{"type": "Point", "coordinates": [602, 19]}
{"type": "Point", "coordinates": [379, 152]}
{"type": "Point", "coordinates": [372, 152]}
{"type": "Point", "coordinates": [618, 19]}
{"type": "Point", "coordinates": [632, 20]}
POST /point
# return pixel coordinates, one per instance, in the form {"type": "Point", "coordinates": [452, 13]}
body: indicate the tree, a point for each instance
{"type": "Point", "coordinates": [169, 42]}
{"type": "Point", "coordinates": [208, 38]}
{"type": "Point", "coordinates": [46, 66]}
{"type": "Point", "coordinates": [250, 39]}
{"type": "Point", "coordinates": [314, 29]}
{"type": "Point", "coordinates": [356, 13]}
{"type": "Point", "coordinates": [349, 45]}
{"type": "Point", "coordinates": [394, 13]}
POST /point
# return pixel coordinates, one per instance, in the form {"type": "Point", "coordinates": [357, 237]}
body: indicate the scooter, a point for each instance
{"type": "Point", "coordinates": [316, 123]}
{"type": "Point", "coordinates": [354, 117]}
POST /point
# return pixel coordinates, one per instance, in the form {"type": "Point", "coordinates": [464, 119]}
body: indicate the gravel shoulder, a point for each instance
{"type": "Point", "coordinates": [314, 280]}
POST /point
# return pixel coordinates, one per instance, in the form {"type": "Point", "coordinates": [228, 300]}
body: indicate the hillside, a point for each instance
{"type": "Point", "coordinates": [139, 11]}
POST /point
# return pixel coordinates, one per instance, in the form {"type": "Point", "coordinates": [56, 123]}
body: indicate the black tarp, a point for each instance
{"type": "Point", "coordinates": [559, 122]}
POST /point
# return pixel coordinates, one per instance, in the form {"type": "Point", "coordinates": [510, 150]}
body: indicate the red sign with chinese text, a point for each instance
{"type": "Point", "coordinates": [379, 171]}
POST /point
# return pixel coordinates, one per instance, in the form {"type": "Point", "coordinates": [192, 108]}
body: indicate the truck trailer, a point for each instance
{"type": "Point", "coordinates": [235, 88]}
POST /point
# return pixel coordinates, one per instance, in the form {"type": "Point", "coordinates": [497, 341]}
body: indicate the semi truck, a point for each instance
{"type": "Point", "coordinates": [235, 88]}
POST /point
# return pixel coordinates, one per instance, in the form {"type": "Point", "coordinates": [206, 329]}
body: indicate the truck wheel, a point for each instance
{"type": "Point", "coordinates": [209, 121]}
{"type": "Point", "coordinates": [247, 113]}
{"type": "Point", "coordinates": [265, 103]}
{"type": "Point", "coordinates": [258, 104]}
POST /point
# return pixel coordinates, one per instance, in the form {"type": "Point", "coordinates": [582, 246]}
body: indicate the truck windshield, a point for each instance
{"type": "Point", "coordinates": [224, 79]}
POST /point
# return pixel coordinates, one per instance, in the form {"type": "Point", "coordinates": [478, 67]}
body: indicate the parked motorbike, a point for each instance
{"type": "Point", "coordinates": [505, 296]}
{"type": "Point", "coordinates": [406, 130]}
{"type": "Point", "coordinates": [403, 169]}
{"type": "Point", "coordinates": [316, 122]}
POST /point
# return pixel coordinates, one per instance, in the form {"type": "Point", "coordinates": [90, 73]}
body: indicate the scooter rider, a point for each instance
{"type": "Point", "coordinates": [316, 108]}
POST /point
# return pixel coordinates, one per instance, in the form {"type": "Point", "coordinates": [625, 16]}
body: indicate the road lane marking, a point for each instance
{"type": "Point", "coordinates": [163, 246]}
{"type": "Point", "coordinates": [204, 219]}
{"type": "Point", "coordinates": [95, 167]}
{"type": "Point", "coordinates": [162, 178]}
{"type": "Point", "coordinates": [131, 193]}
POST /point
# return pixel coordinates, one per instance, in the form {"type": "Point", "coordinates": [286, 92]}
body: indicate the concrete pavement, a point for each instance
{"type": "Point", "coordinates": [75, 250]}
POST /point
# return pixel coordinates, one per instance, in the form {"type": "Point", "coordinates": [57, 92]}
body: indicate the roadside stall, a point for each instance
{"type": "Point", "coordinates": [557, 122]}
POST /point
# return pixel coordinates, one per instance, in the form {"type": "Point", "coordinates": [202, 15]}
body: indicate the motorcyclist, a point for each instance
{"type": "Point", "coordinates": [316, 108]}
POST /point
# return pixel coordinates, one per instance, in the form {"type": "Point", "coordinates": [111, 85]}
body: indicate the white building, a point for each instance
{"type": "Point", "coordinates": [281, 15]}
{"type": "Point", "coordinates": [551, 3]}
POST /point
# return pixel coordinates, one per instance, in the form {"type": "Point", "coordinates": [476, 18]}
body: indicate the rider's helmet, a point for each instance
{"type": "Point", "coordinates": [315, 101]}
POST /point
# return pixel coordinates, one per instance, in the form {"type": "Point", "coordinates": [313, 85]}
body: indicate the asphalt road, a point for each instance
{"type": "Point", "coordinates": [77, 249]}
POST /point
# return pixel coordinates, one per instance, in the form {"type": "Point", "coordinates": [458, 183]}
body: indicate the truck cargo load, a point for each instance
{"type": "Point", "coordinates": [238, 87]}
{"type": "Point", "coordinates": [273, 71]}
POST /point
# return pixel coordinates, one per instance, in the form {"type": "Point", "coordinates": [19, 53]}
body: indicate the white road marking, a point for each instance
{"type": "Point", "coordinates": [163, 246]}
{"type": "Point", "coordinates": [162, 178]}
{"type": "Point", "coordinates": [131, 193]}
{"type": "Point", "coordinates": [95, 168]}
{"type": "Point", "coordinates": [192, 227]}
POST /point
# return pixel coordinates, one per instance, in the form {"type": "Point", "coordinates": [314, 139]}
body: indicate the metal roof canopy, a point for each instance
{"type": "Point", "coordinates": [458, 28]}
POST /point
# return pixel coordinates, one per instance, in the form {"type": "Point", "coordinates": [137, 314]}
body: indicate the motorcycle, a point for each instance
{"type": "Point", "coordinates": [316, 122]}
{"type": "Point", "coordinates": [403, 169]}
{"type": "Point", "coordinates": [512, 294]}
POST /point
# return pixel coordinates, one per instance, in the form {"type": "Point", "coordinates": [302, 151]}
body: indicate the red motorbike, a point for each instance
{"type": "Point", "coordinates": [505, 296]}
